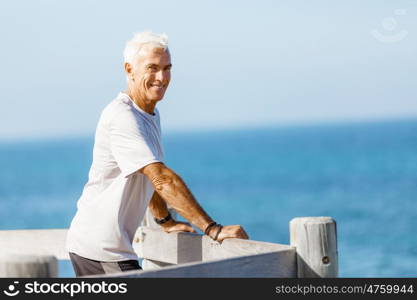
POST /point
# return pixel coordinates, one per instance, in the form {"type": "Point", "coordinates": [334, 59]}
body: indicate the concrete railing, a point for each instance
{"type": "Point", "coordinates": [312, 253]}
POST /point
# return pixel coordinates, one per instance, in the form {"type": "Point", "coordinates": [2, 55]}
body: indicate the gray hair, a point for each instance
{"type": "Point", "coordinates": [134, 46]}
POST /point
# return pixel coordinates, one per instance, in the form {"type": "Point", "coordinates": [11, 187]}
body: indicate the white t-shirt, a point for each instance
{"type": "Point", "coordinates": [115, 198]}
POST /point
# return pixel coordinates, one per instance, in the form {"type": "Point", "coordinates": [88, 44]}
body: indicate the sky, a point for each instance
{"type": "Point", "coordinates": [236, 64]}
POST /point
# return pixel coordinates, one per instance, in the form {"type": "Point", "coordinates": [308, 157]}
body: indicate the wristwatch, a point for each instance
{"type": "Point", "coordinates": [163, 220]}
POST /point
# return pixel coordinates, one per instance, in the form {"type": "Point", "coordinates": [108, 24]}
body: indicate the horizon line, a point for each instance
{"type": "Point", "coordinates": [239, 127]}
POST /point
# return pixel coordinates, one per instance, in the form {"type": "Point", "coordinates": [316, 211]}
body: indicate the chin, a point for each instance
{"type": "Point", "coordinates": [157, 98]}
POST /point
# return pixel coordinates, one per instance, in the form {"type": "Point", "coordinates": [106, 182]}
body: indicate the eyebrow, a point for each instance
{"type": "Point", "coordinates": [151, 65]}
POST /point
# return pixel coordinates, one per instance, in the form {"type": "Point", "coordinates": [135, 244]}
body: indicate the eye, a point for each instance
{"type": "Point", "coordinates": [152, 68]}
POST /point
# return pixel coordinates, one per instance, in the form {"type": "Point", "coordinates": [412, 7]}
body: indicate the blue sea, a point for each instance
{"type": "Point", "coordinates": [364, 175]}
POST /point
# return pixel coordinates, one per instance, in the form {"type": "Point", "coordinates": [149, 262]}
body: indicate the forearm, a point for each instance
{"type": "Point", "coordinates": [175, 192]}
{"type": "Point", "coordinates": [158, 206]}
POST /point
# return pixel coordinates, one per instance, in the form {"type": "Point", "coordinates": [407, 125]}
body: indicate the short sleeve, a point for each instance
{"type": "Point", "coordinates": [130, 143]}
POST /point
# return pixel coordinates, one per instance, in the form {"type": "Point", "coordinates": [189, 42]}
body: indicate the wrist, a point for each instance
{"type": "Point", "coordinates": [164, 220]}
{"type": "Point", "coordinates": [211, 233]}
{"type": "Point", "coordinates": [168, 223]}
{"type": "Point", "coordinates": [213, 230]}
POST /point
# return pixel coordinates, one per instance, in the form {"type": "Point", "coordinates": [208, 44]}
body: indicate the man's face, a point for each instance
{"type": "Point", "coordinates": [151, 73]}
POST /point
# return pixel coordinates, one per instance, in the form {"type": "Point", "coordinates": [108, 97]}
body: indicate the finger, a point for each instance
{"type": "Point", "coordinates": [241, 234]}
{"type": "Point", "coordinates": [191, 229]}
{"type": "Point", "coordinates": [183, 228]}
{"type": "Point", "coordinates": [245, 236]}
{"type": "Point", "coordinates": [187, 227]}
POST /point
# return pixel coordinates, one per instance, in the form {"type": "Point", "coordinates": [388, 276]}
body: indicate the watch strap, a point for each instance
{"type": "Point", "coordinates": [163, 220]}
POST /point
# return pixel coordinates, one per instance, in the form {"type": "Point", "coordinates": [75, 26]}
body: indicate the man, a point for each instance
{"type": "Point", "coordinates": [128, 173]}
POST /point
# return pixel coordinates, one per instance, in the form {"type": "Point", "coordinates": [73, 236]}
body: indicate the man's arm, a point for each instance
{"type": "Point", "coordinates": [174, 191]}
{"type": "Point", "coordinates": [159, 210]}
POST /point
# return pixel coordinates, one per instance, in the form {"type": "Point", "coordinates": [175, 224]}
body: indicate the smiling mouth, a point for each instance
{"type": "Point", "coordinates": [157, 85]}
{"type": "Point", "coordinates": [158, 88]}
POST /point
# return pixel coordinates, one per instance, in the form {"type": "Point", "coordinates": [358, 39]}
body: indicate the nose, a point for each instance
{"type": "Point", "coordinates": [162, 75]}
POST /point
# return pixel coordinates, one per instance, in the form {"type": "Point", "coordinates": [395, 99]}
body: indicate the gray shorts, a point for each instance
{"type": "Point", "coordinates": [86, 267]}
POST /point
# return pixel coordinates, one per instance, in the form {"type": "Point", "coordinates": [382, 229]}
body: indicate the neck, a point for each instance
{"type": "Point", "coordinates": [147, 106]}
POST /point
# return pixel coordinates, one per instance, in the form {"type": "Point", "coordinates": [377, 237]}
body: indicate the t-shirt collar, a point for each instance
{"type": "Point", "coordinates": [124, 95]}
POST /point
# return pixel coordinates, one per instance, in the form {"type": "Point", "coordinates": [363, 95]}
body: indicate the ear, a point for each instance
{"type": "Point", "coordinates": [128, 70]}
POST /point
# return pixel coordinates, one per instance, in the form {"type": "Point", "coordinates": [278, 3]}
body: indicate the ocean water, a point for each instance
{"type": "Point", "coordinates": [363, 175]}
